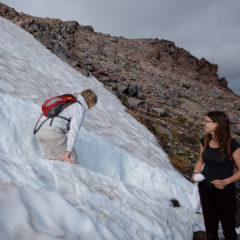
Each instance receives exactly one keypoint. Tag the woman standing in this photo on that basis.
(217, 191)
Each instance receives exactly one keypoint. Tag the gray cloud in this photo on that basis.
(206, 28)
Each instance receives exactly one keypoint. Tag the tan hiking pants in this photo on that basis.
(53, 142)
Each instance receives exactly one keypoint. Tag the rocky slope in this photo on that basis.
(162, 86)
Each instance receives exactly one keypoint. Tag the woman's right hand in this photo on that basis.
(197, 177)
(66, 158)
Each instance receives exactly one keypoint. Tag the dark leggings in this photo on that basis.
(218, 205)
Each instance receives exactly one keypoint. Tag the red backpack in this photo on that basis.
(53, 106)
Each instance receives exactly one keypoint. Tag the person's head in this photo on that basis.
(90, 97)
(217, 126)
(217, 123)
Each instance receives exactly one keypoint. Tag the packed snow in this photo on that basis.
(124, 182)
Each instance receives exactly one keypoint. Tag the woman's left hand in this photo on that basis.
(220, 184)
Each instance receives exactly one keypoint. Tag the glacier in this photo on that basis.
(124, 182)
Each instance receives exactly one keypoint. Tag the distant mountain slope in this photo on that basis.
(163, 86)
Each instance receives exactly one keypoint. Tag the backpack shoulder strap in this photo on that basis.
(205, 142)
(36, 129)
(79, 102)
(229, 151)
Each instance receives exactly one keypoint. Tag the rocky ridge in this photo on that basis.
(163, 86)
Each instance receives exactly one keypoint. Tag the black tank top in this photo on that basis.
(217, 167)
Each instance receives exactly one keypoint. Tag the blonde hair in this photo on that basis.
(90, 97)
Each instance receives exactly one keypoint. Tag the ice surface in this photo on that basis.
(124, 182)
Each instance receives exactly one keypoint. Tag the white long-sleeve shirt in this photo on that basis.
(76, 113)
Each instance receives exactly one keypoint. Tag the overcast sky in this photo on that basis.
(205, 28)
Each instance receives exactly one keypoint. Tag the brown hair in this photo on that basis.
(90, 97)
(222, 132)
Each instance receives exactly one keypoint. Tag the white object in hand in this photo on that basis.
(198, 177)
